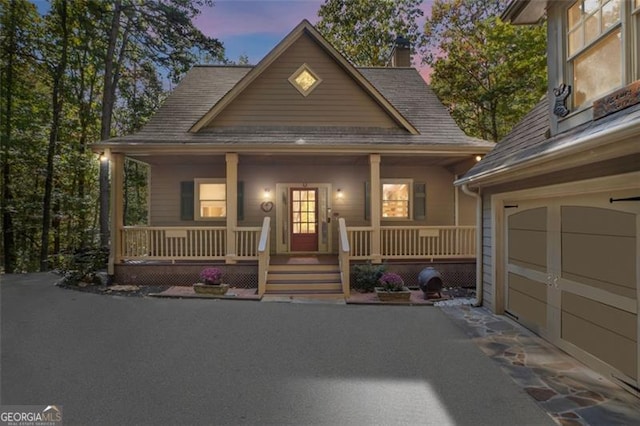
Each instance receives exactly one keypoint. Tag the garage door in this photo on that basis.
(572, 275)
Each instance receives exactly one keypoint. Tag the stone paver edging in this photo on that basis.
(570, 392)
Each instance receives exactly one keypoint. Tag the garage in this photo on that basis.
(571, 274)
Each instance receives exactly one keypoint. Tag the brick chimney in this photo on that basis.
(401, 53)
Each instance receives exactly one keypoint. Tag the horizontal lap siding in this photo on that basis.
(271, 100)
(165, 190)
(487, 276)
(166, 178)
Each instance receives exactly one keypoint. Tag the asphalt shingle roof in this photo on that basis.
(204, 86)
(530, 139)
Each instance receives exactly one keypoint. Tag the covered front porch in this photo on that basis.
(351, 214)
(249, 248)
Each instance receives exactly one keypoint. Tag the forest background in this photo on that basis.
(87, 70)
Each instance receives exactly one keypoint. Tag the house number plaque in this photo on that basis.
(616, 101)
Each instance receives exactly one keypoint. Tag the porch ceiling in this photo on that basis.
(284, 159)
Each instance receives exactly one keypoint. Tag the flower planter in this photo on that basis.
(393, 296)
(218, 290)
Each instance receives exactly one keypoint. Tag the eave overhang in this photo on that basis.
(145, 148)
(523, 12)
(612, 143)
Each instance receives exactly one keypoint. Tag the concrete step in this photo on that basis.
(308, 287)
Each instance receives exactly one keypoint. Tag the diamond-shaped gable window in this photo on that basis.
(305, 80)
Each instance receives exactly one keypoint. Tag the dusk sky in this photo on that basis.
(254, 27)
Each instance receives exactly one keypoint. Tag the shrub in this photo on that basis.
(366, 276)
(83, 264)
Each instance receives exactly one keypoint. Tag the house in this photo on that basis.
(302, 154)
(560, 195)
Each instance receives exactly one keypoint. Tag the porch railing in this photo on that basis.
(185, 243)
(206, 243)
(263, 255)
(343, 257)
(412, 242)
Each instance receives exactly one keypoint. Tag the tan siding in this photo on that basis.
(604, 331)
(165, 192)
(467, 209)
(272, 100)
(440, 191)
(166, 178)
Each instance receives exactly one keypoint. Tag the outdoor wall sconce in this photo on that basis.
(103, 157)
(266, 194)
(478, 158)
(339, 193)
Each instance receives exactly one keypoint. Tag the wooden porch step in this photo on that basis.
(308, 280)
(304, 268)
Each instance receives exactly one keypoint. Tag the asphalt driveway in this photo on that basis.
(127, 360)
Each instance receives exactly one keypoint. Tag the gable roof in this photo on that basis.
(303, 28)
(401, 92)
(529, 142)
(203, 86)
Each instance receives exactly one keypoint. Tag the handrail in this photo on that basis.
(263, 255)
(343, 258)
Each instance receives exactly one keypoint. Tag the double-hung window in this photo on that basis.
(595, 48)
(396, 198)
(600, 43)
(210, 198)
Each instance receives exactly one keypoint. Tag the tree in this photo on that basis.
(19, 92)
(58, 68)
(160, 31)
(488, 73)
(364, 30)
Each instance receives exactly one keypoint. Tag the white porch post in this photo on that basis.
(232, 205)
(116, 166)
(376, 207)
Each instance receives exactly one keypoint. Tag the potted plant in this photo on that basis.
(391, 288)
(211, 282)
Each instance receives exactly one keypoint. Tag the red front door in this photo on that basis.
(304, 219)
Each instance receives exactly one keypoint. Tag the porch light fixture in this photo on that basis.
(339, 193)
(478, 158)
(103, 157)
(266, 194)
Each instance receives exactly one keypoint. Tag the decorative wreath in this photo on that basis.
(266, 206)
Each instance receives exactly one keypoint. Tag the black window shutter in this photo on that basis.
(367, 200)
(240, 200)
(186, 200)
(419, 201)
